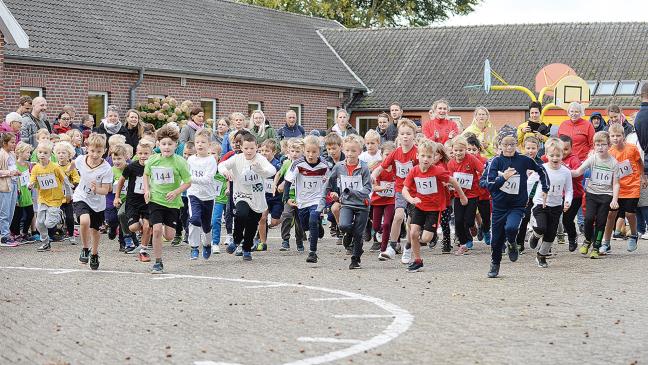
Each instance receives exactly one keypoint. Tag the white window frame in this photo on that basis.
(298, 112)
(257, 103)
(213, 102)
(593, 85)
(627, 82)
(105, 95)
(357, 120)
(32, 89)
(605, 83)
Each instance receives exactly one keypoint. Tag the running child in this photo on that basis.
(572, 162)
(247, 171)
(372, 157)
(119, 155)
(601, 193)
(273, 199)
(8, 185)
(222, 196)
(424, 188)
(484, 199)
(24, 212)
(382, 203)
(166, 176)
(531, 147)
(89, 198)
(334, 155)
(506, 179)
(64, 154)
(289, 216)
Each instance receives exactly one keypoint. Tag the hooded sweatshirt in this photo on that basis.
(602, 126)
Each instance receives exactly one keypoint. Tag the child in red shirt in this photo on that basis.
(382, 202)
(483, 217)
(424, 188)
(466, 169)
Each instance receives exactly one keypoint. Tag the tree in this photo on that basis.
(374, 13)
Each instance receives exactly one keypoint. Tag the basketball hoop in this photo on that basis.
(487, 76)
(571, 89)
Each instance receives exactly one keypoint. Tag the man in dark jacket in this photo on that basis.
(641, 123)
(34, 121)
(598, 122)
(291, 129)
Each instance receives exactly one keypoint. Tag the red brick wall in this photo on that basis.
(2, 75)
(71, 86)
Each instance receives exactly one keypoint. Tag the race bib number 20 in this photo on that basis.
(512, 185)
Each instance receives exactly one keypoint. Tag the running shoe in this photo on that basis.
(44, 247)
(231, 248)
(447, 247)
(112, 233)
(585, 247)
(215, 249)
(176, 240)
(644, 236)
(229, 240)
(494, 270)
(388, 254)
(594, 254)
(94, 262)
(462, 250)
(158, 268)
(632, 243)
(312, 257)
(206, 252)
(261, 247)
(415, 266)
(541, 260)
(285, 246)
(131, 249)
(487, 238)
(85, 255)
(375, 247)
(573, 245)
(513, 252)
(480, 234)
(605, 249)
(469, 245)
(144, 256)
(72, 240)
(433, 242)
(533, 241)
(300, 247)
(255, 243)
(6, 242)
(618, 236)
(239, 251)
(355, 263)
(195, 253)
(247, 255)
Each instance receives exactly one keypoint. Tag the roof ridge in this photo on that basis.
(441, 26)
(278, 11)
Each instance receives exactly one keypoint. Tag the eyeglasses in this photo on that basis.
(508, 145)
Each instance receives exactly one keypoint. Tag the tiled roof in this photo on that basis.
(415, 66)
(218, 38)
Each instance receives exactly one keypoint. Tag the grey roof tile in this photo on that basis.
(415, 66)
(209, 37)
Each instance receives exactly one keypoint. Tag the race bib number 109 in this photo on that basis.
(47, 181)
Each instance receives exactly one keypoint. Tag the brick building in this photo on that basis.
(228, 57)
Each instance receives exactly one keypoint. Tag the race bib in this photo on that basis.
(625, 169)
(601, 177)
(350, 182)
(24, 178)
(139, 185)
(388, 189)
(403, 168)
(219, 187)
(47, 181)
(162, 175)
(512, 185)
(312, 183)
(556, 189)
(123, 191)
(267, 185)
(250, 178)
(426, 185)
(465, 180)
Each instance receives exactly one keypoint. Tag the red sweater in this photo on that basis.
(582, 135)
(438, 130)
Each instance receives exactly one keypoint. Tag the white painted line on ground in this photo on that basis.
(63, 271)
(166, 277)
(265, 286)
(363, 316)
(400, 324)
(328, 340)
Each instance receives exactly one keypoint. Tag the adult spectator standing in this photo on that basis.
(111, 125)
(342, 126)
(383, 128)
(598, 122)
(533, 127)
(615, 115)
(260, 127)
(641, 123)
(222, 127)
(439, 128)
(24, 105)
(63, 126)
(134, 128)
(482, 128)
(195, 124)
(34, 121)
(291, 129)
(396, 114)
(580, 131)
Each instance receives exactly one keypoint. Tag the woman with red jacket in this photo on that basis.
(439, 128)
(579, 130)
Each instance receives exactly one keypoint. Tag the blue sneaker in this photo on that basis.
(231, 247)
(207, 251)
(285, 246)
(487, 238)
(469, 245)
(300, 247)
(247, 256)
(255, 244)
(632, 243)
(128, 241)
(157, 268)
(194, 253)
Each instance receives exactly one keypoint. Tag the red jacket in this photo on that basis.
(582, 135)
(438, 130)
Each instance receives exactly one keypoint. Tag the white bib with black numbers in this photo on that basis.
(403, 168)
(350, 182)
(388, 189)
(24, 178)
(465, 180)
(250, 178)
(47, 181)
(426, 185)
(512, 185)
(218, 187)
(267, 185)
(601, 177)
(139, 185)
(625, 169)
(162, 175)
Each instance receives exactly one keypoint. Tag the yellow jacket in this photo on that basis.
(486, 137)
(521, 135)
(49, 181)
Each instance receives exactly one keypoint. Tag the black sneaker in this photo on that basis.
(85, 255)
(355, 263)
(312, 257)
(44, 247)
(112, 233)
(321, 230)
(541, 260)
(533, 241)
(513, 252)
(415, 266)
(480, 234)
(573, 246)
(375, 247)
(94, 262)
(447, 247)
(347, 241)
(494, 270)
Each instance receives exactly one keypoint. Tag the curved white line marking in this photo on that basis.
(328, 340)
(401, 323)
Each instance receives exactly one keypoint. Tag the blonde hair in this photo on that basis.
(331, 139)
(312, 140)
(96, 140)
(204, 133)
(64, 146)
(73, 132)
(64, 137)
(122, 150)
(616, 128)
(116, 139)
(602, 136)
(440, 101)
(43, 132)
(372, 135)
(387, 146)
(47, 145)
(251, 124)
(144, 143)
(531, 139)
(554, 144)
(404, 122)
(354, 138)
(459, 141)
(427, 146)
(298, 143)
(23, 147)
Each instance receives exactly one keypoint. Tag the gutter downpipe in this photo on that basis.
(133, 89)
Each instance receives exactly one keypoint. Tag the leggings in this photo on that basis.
(568, 219)
(384, 214)
(22, 219)
(464, 219)
(445, 225)
(484, 207)
(598, 206)
(246, 222)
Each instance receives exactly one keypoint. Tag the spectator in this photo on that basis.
(439, 128)
(482, 128)
(134, 128)
(342, 126)
(237, 122)
(641, 123)
(383, 127)
(222, 127)
(260, 127)
(195, 124)
(24, 105)
(13, 123)
(111, 125)
(615, 115)
(580, 131)
(396, 114)
(64, 119)
(87, 125)
(533, 128)
(291, 129)
(34, 121)
(598, 122)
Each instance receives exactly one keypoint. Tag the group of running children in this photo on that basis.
(418, 184)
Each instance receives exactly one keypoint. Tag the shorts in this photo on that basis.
(165, 215)
(275, 208)
(400, 202)
(626, 205)
(96, 218)
(136, 211)
(428, 220)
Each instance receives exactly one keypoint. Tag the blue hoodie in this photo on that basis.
(602, 125)
(493, 180)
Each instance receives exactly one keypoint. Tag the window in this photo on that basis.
(252, 106)
(363, 124)
(627, 87)
(152, 98)
(32, 92)
(592, 86)
(298, 110)
(641, 84)
(606, 88)
(331, 115)
(209, 106)
(97, 105)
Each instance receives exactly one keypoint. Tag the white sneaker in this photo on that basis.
(215, 249)
(72, 240)
(407, 256)
(644, 236)
(388, 254)
(229, 239)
